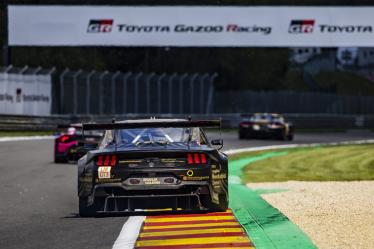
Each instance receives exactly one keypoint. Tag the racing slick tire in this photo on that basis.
(60, 159)
(242, 135)
(283, 136)
(89, 211)
(290, 137)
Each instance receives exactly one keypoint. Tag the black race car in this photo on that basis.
(265, 125)
(68, 144)
(153, 164)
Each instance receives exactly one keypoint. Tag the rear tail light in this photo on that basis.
(275, 125)
(196, 158)
(107, 160)
(100, 161)
(245, 124)
(64, 138)
(203, 158)
(189, 159)
(113, 161)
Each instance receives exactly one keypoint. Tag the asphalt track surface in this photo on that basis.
(38, 202)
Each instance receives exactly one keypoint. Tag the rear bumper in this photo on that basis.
(134, 203)
(119, 198)
(70, 153)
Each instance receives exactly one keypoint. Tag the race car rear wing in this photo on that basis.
(65, 126)
(152, 124)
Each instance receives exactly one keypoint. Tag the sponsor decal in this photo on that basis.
(216, 184)
(324, 28)
(100, 26)
(105, 180)
(85, 179)
(172, 160)
(234, 28)
(307, 26)
(215, 198)
(104, 172)
(219, 176)
(35, 98)
(298, 26)
(183, 28)
(151, 181)
(6, 97)
(190, 173)
(19, 97)
(142, 28)
(198, 28)
(195, 178)
(301, 26)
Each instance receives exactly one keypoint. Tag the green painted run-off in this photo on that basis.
(266, 226)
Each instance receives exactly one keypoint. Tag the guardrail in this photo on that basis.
(31, 123)
(301, 121)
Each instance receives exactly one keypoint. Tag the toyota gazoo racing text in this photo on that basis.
(153, 164)
(265, 125)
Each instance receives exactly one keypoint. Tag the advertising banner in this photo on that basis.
(191, 26)
(25, 94)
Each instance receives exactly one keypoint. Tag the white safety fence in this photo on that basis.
(25, 92)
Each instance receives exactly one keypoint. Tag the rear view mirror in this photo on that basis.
(217, 142)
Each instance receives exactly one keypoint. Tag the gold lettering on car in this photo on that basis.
(151, 181)
(195, 178)
(219, 176)
(108, 180)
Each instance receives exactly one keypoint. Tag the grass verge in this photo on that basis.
(25, 133)
(332, 163)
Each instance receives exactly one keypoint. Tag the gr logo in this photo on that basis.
(100, 26)
(301, 26)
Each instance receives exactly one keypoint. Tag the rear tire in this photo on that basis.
(88, 211)
(60, 159)
(283, 136)
(290, 137)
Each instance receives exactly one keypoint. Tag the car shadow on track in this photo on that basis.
(137, 213)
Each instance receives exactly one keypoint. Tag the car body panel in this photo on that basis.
(68, 144)
(265, 125)
(154, 176)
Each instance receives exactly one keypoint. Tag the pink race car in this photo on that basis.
(69, 145)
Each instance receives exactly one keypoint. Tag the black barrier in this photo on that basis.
(84, 93)
(105, 93)
(301, 121)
